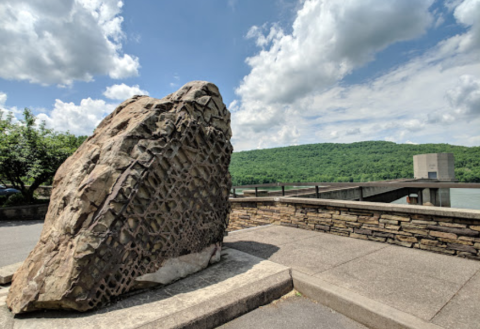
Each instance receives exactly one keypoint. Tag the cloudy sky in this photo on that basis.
(290, 71)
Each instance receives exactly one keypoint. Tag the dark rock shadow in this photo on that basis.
(227, 267)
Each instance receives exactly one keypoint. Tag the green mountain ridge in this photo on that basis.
(355, 162)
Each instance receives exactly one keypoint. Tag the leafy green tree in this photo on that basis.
(358, 162)
(30, 153)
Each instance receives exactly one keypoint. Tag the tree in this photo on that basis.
(30, 154)
(362, 161)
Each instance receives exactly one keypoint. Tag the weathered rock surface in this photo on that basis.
(151, 185)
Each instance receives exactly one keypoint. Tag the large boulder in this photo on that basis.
(145, 199)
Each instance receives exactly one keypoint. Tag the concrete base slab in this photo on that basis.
(237, 284)
(357, 307)
(4, 291)
(6, 272)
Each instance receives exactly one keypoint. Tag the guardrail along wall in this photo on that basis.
(444, 230)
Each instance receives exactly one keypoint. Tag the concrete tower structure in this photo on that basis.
(435, 166)
(439, 166)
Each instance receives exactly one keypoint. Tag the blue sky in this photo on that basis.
(291, 72)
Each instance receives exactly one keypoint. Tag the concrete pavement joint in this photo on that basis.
(454, 295)
(423, 274)
(350, 260)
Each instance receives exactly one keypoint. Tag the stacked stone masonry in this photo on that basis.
(33, 212)
(449, 235)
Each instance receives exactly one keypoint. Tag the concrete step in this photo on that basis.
(6, 272)
(366, 311)
(293, 311)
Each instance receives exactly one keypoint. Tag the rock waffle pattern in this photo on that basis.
(151, 184)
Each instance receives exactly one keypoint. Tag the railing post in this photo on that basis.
(234, 195)
(317, 194)
(256, 192)
(283, 190)
(361, 193)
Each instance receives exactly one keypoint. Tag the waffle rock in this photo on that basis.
(143, 201)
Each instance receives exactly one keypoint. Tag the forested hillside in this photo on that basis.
(356, 162)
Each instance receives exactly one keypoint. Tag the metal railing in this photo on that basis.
(413, 184)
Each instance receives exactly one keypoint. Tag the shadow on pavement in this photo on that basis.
(254, 248)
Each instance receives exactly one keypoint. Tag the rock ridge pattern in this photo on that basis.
(149, 186)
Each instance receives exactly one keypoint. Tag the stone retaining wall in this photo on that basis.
(34, 212)
(444, 230)
(44, 191)
(41, 191)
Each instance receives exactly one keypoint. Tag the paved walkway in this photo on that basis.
(17, 239)
(293, 311)
(439, 289)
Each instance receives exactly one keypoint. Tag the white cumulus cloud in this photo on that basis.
(60, 41)
(465, 97)
(296, 83)
(468, 13)
(423, 101)
(3, 108)
(329, 39)
(3, 99)
(79, 119)
(123, 92)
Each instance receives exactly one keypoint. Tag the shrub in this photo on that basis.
(15, 200)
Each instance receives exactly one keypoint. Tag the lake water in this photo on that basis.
(239, 191)
(468, 198)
